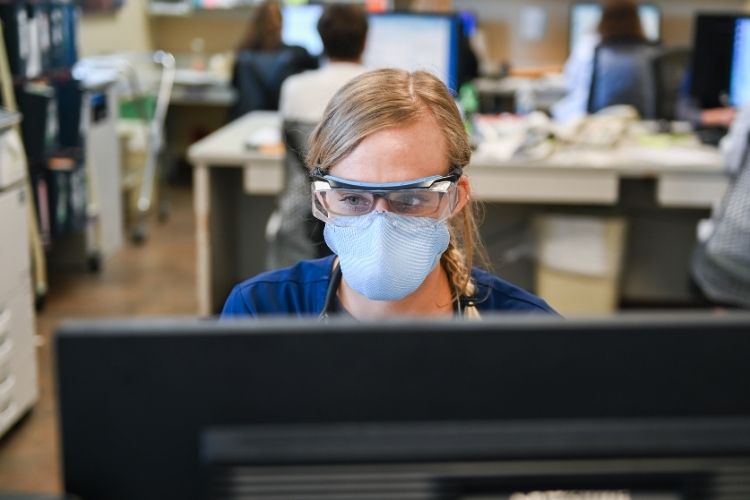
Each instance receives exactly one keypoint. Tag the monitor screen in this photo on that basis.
(739, 84)
(300, 27)
(415, 42)
(717, 65)
(189, 409)
(584, 18)
(469, 22)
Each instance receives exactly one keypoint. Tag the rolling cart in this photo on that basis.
(146, 82)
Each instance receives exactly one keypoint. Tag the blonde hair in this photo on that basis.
(387, 98)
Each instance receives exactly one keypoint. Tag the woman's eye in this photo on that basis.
(353, 202)
(409, 201)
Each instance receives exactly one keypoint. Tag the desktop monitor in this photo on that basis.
(415, 41)
(421, 409)
(739, 80)
(584, 18)
(300, 27)
(469, 22)
(719, 60)
(403, 40)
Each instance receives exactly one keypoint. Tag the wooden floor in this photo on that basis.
(157, 278)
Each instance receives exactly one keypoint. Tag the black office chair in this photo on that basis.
(623, 73)
(296, 135)
(258, 75)
(670, 67)
(294, 234)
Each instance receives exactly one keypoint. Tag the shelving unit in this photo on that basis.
(68, 134)
(190, 8)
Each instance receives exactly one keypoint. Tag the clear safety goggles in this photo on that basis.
(336, 200)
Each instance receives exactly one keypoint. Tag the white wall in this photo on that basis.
(126, 30)
(132, 29)
(499, 20)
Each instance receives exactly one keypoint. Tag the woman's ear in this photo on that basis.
(463, 189)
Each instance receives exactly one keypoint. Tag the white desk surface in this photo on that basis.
(211, 95)
(226, 147)
(688, 175)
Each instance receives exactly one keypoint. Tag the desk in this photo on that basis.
(505, 94)
(590, 180)
(194, 111)
(220, 95)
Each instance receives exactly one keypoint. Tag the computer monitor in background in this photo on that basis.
(584, 18)
(300, 27)
(469, 22)
(415, 41)
(715, 44)
(739, 81)
(426, 410)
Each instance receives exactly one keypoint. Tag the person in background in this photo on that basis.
(343, 31)
(292, 232)
(711, 123)
(619, 21)
(264, 61)
(387, 166)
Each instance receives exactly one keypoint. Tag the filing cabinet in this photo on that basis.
(18, 363)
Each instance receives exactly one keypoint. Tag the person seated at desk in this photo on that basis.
(343, 31)
(711, 123)
(387, 167)
(619, 21)
(263, 62)
(292, 232)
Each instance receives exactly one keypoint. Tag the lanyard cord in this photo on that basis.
(333, 287)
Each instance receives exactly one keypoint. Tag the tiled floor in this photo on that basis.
(157, 278)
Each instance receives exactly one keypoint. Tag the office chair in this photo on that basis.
(293, 233)
(670, 68)
(258, 76)
(623, 73)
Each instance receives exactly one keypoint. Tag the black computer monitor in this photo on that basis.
(585, 16)
(719, 59)
(425, 410)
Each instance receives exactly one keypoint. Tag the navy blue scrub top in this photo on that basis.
(300, 290)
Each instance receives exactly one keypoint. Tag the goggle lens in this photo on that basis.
(436, 200)
(417, 203)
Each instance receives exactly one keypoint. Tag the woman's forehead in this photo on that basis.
(400, 153)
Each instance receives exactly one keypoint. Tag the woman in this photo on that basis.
(263, 62)
(387, 164)
(264, 28)
(619, 21)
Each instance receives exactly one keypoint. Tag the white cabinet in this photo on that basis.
(18, 364)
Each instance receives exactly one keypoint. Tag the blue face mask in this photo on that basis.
(385, 256)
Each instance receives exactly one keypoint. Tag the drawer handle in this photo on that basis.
(5, 347)
(7, 410)
(7, 385)
(4, 324)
